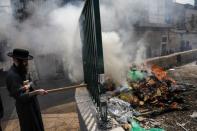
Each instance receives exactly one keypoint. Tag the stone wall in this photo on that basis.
(176, 59)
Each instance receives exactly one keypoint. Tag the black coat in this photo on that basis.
(27, 107)
(1, 108)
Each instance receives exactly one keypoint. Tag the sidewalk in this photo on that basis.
(57, 121)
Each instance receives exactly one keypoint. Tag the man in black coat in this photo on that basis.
(1, 112)
(19, 87)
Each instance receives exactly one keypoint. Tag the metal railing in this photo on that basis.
(92, 52)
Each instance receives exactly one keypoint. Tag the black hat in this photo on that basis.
(20, 54)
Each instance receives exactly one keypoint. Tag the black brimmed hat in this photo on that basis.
(20, 54)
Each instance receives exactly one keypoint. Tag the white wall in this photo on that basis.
(5, 6)
(4, 2)
(158, 10)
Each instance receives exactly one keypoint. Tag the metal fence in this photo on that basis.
(92, 51)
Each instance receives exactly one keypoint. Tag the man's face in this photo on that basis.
(22, 65)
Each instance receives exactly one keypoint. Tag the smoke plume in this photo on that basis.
(121, 48)
(50, 30)
(54, 30)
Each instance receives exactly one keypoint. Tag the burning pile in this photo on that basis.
(154, 89)
(148, 93)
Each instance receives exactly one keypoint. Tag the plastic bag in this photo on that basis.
(137, 127)
(135, 75)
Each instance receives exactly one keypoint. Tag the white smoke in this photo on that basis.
(51, 30)
(141, 52)
(120, 15)
(5, 22)
(115, 59)
(121, 48)
(54, 29)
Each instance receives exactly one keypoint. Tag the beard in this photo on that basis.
(23, 70)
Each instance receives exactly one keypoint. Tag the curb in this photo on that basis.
(88, 112)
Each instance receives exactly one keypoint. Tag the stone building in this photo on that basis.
(169, 27)
(156, 25)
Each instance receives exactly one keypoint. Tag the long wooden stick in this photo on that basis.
(65, 88)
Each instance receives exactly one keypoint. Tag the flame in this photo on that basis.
(161, 74)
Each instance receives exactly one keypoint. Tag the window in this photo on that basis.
(164, 39)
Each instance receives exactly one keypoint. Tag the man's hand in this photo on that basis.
(38, 92)
(26, 87)
(41, 92)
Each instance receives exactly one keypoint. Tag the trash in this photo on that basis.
(108, 85)
(126, 126)
(116, 91)
(140, 118)
(172, 69)
(124, 89)
(124, 118)
(136, 113)
(121, 89)
(182, 125)
(159, 111)
(177, 88)
(194, 115)
(155, 90)
(144, 110)
(135, 75)
(118, 107)
(147, 94)
(137, 127)
(130, 98)
(153, 123)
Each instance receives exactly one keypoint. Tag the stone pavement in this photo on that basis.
(58, 118)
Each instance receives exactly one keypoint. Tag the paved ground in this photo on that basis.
(52, 122)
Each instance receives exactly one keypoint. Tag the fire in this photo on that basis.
(161, 74)
(152, 89)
